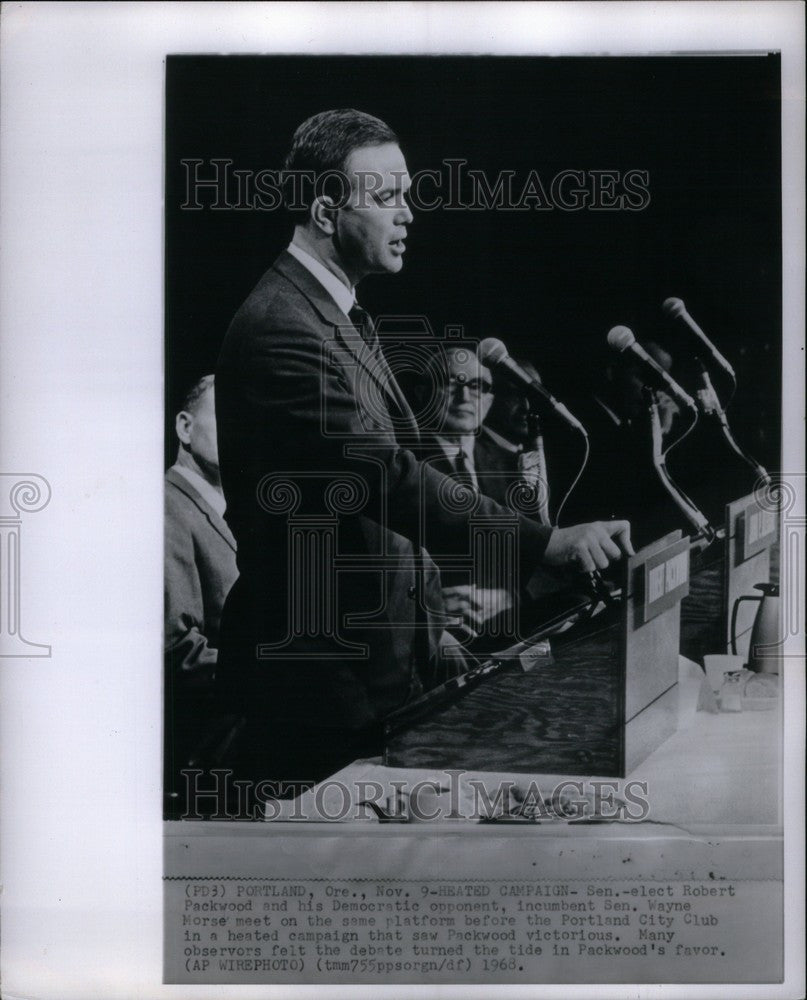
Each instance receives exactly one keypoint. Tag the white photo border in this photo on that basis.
(81, 305)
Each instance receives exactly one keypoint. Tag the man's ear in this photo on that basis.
(323, 215)
(183, 424)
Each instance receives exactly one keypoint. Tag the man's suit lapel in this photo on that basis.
(305, 283)
(495, 467)
(374, 363)
(431, 452)
(217, 523)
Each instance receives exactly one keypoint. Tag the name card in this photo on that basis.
(757, 529)
(665, 580)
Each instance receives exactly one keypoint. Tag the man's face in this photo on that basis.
(371, 229)
(668, 409)
(511, 414)
(467, 395)
(197, 432)
(513, 408)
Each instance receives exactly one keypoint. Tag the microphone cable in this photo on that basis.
(681, 437)
(575, 481)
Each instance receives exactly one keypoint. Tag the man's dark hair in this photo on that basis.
(195, 393)
(321, 146)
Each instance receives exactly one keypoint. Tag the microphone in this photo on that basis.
(621, 339)
(676, 309)
(493, 354)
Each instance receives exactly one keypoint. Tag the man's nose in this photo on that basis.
(404, 216)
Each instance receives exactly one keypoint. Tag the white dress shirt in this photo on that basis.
(343, 296)
(452, 448)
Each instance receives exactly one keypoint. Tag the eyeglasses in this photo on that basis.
(475, 386)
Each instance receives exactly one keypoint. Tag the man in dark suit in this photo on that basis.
(325, 632)
(510, 445)
(200, 568)
(485, 436)
(461, 388)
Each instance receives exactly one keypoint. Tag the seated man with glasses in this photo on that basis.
(462, 388)
(484, 435)
(457, 391)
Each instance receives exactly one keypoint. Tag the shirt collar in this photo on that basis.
(502, 442)
(208, 492)
(343, 296)
(451, 448)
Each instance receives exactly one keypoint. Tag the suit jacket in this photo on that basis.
(431, 453)
(497, 469)
(302, 405)
(200, 569)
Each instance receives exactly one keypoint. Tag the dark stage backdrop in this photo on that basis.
(549, 283)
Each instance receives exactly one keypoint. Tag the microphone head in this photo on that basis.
(620, 338)
(673, 307)
(492, 351)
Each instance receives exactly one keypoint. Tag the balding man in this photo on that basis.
(200, 569)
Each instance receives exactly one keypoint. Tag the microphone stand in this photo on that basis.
(695, 516)
(709, 405)
(594, 583)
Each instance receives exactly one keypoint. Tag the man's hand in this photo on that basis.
(454, 659)
(475, 605)
(589, 546)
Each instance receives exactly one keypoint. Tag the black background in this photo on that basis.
(550, 284)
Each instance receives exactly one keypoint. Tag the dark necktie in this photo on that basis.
(463, 470)
(361, 319)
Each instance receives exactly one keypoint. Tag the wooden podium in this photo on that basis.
(656, 580)
(600, 705)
